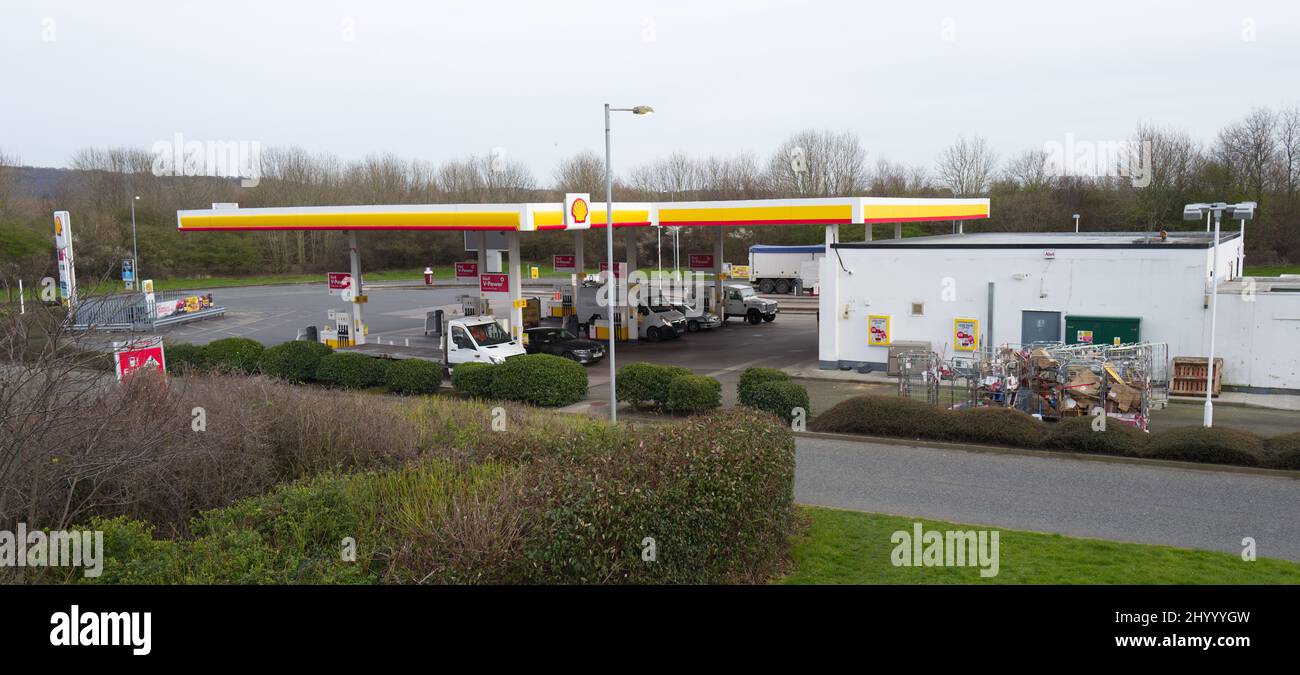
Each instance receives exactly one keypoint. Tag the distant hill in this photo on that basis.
(40, 182)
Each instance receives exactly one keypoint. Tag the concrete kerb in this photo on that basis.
(1053, 454)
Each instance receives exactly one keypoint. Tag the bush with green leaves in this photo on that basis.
(1078, 434)
(749, 381)
(413, 376)
(646, 383)
(693, 394)
(1216, 445)
(295, 361)
(885, 416)
(351, 370)
(234, 355)
(183, 358)
(540, 379)
(1284, 451)
(782, 398)
(474, 379)
(1003, 426)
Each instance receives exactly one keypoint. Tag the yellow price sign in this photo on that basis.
(521, 303)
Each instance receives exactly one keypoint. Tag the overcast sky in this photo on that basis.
(441, 80)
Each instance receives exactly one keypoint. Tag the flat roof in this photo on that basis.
(1002, 240)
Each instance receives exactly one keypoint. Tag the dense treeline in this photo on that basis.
(1256, 158)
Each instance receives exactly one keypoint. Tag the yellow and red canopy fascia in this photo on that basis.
(550, 216)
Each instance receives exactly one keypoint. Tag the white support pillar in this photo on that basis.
(482, 269)
(719, 302)
(516, 291)
(898, 231)
(580, 266)
(633, 319)
(359, 297)
(828, 304)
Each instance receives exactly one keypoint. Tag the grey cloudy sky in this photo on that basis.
(440, 80)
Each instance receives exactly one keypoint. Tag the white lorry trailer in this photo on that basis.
(779, 269)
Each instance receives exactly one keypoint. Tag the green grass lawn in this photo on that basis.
(1271, 270)
(849, 547)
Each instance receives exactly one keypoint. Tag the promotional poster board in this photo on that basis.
(878, 330)
(965, 334)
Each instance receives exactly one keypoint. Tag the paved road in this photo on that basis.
(1160, 505)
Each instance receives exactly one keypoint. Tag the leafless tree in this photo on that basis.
(816, 163)
(967, 166)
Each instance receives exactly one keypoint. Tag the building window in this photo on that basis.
(918, 309)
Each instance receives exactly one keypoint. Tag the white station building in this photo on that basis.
(964, 293)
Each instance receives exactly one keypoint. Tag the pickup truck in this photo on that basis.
(560, 342)
(741, 300)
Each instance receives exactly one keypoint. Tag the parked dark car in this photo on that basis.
(561, 342)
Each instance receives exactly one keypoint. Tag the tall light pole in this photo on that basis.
(1243, 212)
(612, 268)
(135, 249)
(1076, 223)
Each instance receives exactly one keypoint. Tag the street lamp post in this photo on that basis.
(612, 268)
(1243, 211)
(135, 249)
(1076, 223)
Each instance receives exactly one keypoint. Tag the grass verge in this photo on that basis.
(849, 547)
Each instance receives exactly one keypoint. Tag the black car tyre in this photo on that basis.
(693, 327)
(753, 317)
(652, 334)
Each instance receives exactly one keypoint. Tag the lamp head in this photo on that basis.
(642, 110)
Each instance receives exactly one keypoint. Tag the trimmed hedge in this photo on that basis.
(1216, 445)
(474, 379)
(1284, 451)
(294, 361)
(1003, 426)
(717, 512)
(1077, 435)
(885, 416)
(694, 394)
(540, 379)
(641, 383)
(413, 376)
(234, 354)
(779, 397)
(183, 357)
(351, 370)
(747, 385)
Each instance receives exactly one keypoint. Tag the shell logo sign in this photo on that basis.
(58, 226)
(577, 211)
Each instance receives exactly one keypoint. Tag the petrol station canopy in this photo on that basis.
(539, 216)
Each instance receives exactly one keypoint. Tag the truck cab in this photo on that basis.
(478, 339)
(654, 322)
(741, 300)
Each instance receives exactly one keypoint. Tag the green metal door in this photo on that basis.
(1107, 330)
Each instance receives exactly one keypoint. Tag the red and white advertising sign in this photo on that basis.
(700, 261)
(494, 283)
(619, 272)
(565, 263)
(339, 282)
(466, 270)
(141, 355)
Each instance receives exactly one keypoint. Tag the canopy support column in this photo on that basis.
(358, 297)
(482, 269)
(516, 292)
(828, 305)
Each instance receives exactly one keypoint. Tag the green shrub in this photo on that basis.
(779, 397)
(474, 379)
(234, 354)
(1004, 426)
(413, 376)
(641, 383)
(1217, 445)
(885, 416)
(183, 358)
(1077, 435)
(351, 370)
(294, 361)
(746, 387)
(540, 379)
(1284, 451)
(718, 512)
(694, 394)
